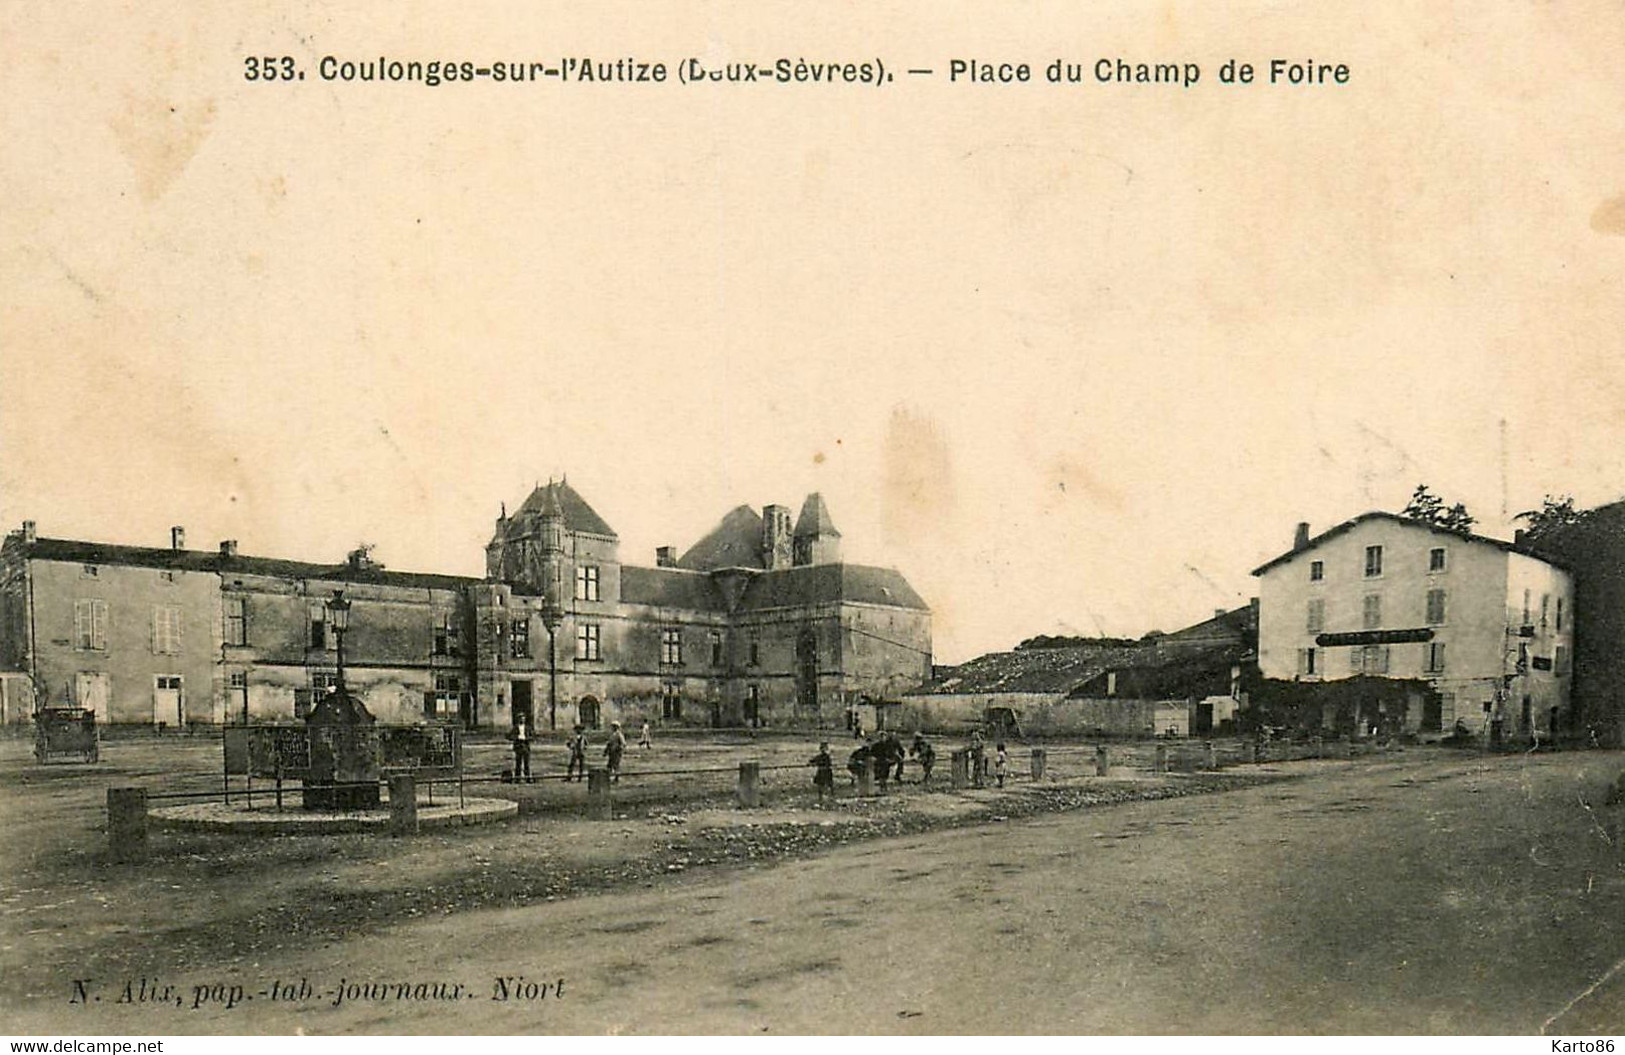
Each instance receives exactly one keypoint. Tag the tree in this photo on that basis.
(1555, 513)
(1429, 508)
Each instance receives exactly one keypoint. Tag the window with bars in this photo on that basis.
(587, 641)
(90, 625)
(236, 620)
(166, 630)
(587, 582)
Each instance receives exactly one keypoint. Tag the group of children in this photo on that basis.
(886, 754)
(614, 751)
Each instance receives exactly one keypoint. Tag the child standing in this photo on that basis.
(643, 739)
(823, 773)
(1001, 763)
(577, 769)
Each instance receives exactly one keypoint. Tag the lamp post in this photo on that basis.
(338, 610)
(552, 617)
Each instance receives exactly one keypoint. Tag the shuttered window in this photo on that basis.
(90, 624)
(166, 630)
(1435, 607)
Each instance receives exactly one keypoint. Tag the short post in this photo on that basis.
(1159, 760)
(1249, 751)
(127, 824)
(1347, 746)
(1040, 760)
(599, 807)
(1210, 755)
(960, 760)
(1318, 748)
(866, 778)
(403, 804)
(1102, 760)
(750, 781)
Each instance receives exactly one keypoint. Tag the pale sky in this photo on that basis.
(1074, 359)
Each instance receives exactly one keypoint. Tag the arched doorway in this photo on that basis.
(587, 712)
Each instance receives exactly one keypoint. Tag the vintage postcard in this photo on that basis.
(812, 518)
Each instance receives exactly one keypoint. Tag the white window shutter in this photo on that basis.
(98, 624)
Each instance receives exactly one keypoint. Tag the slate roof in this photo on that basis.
(734, 543)
(1347, 525)
(670, 588)
(81, 552)
(814, 518)
(579, 517)
(823, 583)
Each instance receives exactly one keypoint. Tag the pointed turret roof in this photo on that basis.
(814, 518)
(560, 498)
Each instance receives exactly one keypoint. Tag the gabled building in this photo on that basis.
(759, 623)
(1450, 627)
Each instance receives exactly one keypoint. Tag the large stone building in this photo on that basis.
(759, 623)
(1448, 627)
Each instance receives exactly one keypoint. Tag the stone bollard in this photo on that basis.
(1040, 760)
(1102, 761)
(960, 760)
(866, 779)
(1210, 755)
(403, 804)
(599, 807)
(127, 824)
(1159, 761)
(750, 785)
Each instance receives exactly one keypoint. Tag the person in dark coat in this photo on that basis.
(577, 769)
(880, 751)
(823, 773)
(855, 761)
(898, 755)
(925, 754)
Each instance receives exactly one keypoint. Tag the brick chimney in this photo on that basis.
(30, 532)
(177, 537)
(228, 547)
(1520, 538)
(666, 556)
(1300, 537)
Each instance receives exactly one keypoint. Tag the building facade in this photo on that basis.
(1484, 631)
(760, 623)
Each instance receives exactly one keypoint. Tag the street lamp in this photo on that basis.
(338, 610)
(552, 616)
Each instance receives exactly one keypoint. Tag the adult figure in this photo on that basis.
(614, 749)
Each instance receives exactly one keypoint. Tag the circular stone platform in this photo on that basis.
(265, 820)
